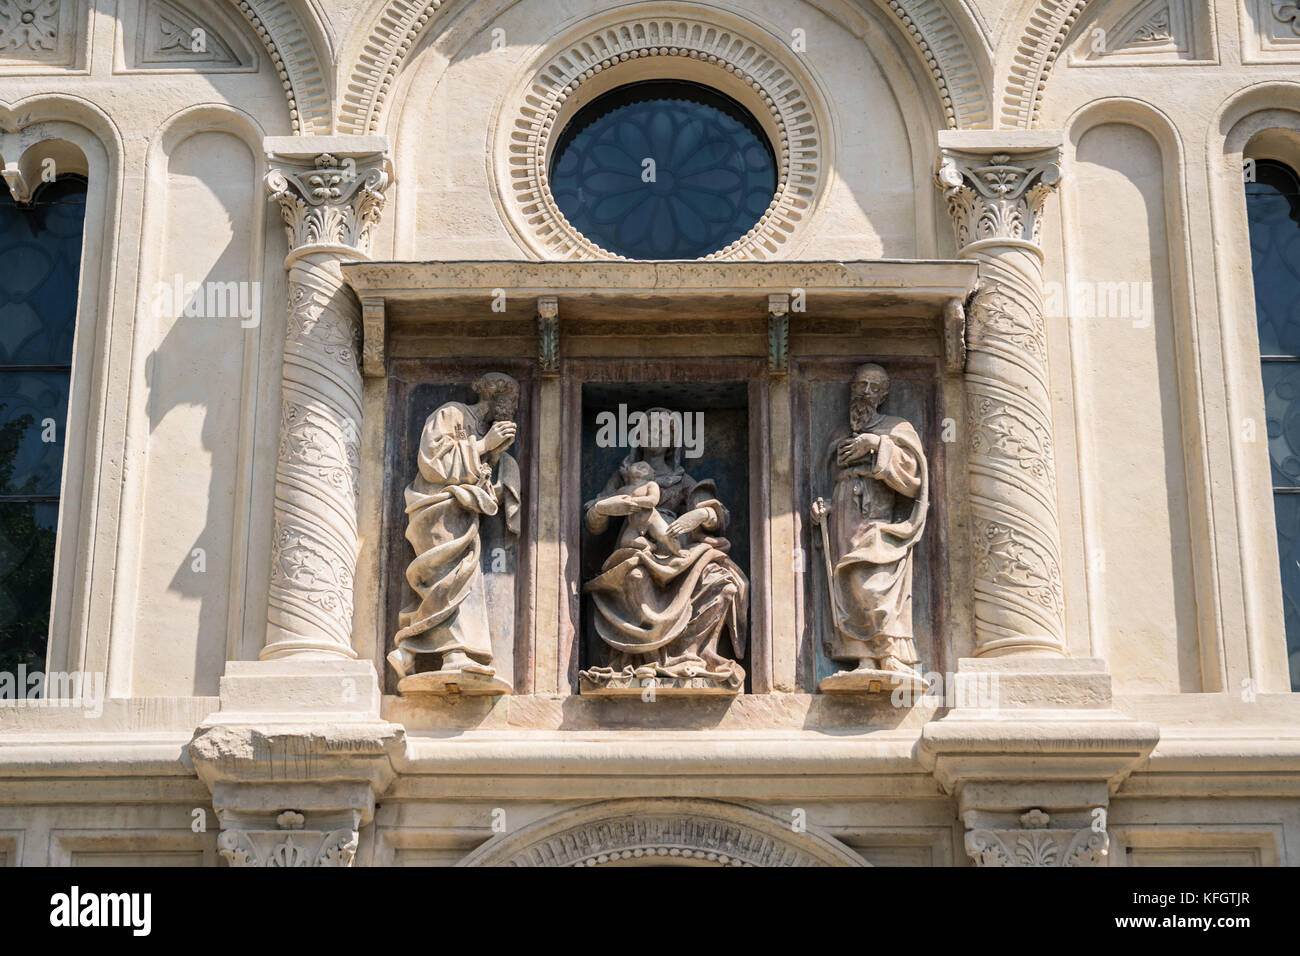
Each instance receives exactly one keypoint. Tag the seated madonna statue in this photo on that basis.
(669, 592)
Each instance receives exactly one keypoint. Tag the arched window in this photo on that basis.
(1273, 208)
(40, 260)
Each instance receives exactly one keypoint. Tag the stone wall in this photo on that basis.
(1115, 571)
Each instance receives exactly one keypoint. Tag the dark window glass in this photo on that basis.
(40, 259)
(1273, 208)
(663, 170)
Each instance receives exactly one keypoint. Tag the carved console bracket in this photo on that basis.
(18, 184)
(954, 336)
(294, 760)
(1032, 736)
(548, 335)
(372, 337)
(248, 840)
(1034, 844)
(778, 333)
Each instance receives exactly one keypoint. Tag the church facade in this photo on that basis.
(525, 432)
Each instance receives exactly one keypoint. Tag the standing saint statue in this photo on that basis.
(464, 473)
(668, 593)
(869, 532)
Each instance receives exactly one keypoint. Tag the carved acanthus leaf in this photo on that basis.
(1037, 847)
(174, 36)
(996, 196)
(1155, 29)
(288, 847)
(334, 202)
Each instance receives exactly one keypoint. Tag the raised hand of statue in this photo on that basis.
(499, 436)
(689, 521)
(820, 509)
(852, 449)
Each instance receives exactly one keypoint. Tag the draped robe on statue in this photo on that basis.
(454, 487)
(877, 515)
(653, 607)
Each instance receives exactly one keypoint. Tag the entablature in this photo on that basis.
(623, 297)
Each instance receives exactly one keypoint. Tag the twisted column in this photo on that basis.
(330, 202)
(995, 197)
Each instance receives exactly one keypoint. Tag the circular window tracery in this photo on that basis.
(663, 169)
(690, 52)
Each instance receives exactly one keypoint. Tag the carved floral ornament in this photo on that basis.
(290, 846)
(998, 195)
(334, 201)
(1287, 14)
(772, 91)
(1037, 845)
(28, 26)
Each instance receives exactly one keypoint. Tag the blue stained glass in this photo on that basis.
(40, 259)
(1273, 211)
(663, 170)
(33, 410)
(1287, 509)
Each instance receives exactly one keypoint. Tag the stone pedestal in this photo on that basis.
(1032, 751)
(297, 752)
(295, 758)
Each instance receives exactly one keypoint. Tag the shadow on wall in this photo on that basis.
(196, 378)
(1130, 407)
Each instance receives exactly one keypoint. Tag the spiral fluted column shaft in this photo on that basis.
(995, 199)
(329, 203)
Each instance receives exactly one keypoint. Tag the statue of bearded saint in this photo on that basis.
(464, 475)
(869, 532)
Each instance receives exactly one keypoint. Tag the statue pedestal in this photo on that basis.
(622, 686)
(454, 683)
(868, 681)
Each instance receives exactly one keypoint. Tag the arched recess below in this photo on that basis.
(653, 832)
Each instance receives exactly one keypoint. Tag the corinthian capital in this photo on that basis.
(331, 189)
(995, 185)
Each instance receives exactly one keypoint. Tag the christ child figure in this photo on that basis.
(642, 492)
